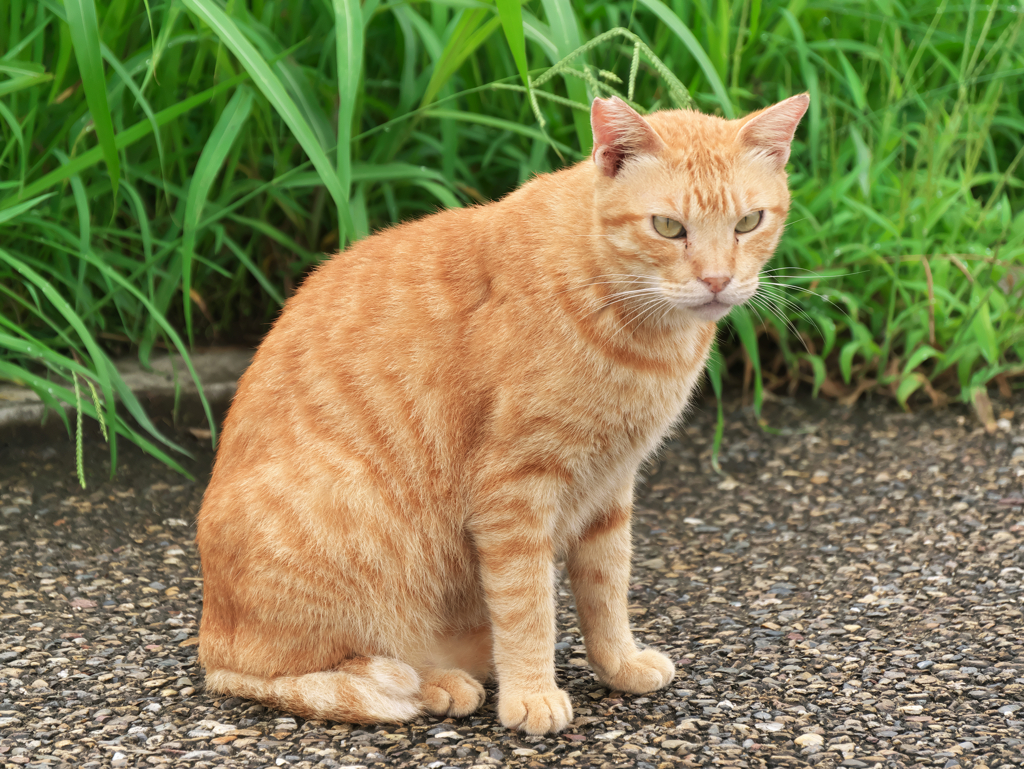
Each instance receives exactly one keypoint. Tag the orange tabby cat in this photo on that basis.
(450, 406)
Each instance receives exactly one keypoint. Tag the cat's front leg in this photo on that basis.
(512, 534)
(599, 564)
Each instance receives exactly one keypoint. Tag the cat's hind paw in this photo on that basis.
(535, 713)
(647, 671)
(451, 692)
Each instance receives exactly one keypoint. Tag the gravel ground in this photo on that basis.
(849, 594)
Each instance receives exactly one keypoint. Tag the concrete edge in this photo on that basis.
(23, 413)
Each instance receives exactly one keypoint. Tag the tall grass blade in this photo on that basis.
(675, 24)
(565, 33)
(126, 138)
(22, 82)
(511, 14)
(470, 33)
(85, 37)
(348, 34)
(15, 211)
(269, 84)
(210, 161)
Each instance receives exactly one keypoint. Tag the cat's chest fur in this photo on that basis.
(589, 412)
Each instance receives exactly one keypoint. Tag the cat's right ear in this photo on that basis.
(769, 132)
(620, 133)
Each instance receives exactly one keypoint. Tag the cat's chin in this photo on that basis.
(711, 311)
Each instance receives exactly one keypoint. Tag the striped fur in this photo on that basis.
(453, 404)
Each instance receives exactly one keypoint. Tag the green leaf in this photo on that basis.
(853, 82)
(846, 359)
(348, 38)
(810, 74)
(16, 84)
(511, 14)
(715, 368)
(270, 86)
(143, 102)
(472, 30)
(124, 139)
(17, 68)
(908, 385)
(985, 334)
(920, 355)
(42, 387)
(85, 38)
(818, 366)
(210, 161)
(257, 273)
(158, 317)
(741, 321)
(675, 24)
(61, 305)
(828, 330)
(15, 211)
(565, 33)
(496, 122)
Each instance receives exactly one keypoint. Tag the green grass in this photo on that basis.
(169, 173)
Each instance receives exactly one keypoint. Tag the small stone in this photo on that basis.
(524, 752)
(807, 740)
(216, 728)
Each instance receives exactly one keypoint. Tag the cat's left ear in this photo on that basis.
(620, 133)
(770, 132)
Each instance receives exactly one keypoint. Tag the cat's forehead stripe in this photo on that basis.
(620, 219)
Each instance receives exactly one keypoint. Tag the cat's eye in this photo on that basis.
(668, 228)
(749, 222)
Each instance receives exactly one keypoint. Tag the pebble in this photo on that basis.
(808, 740)
(872, 618)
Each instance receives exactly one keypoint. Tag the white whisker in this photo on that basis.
(777, 285)
(595, 281)
(640, 321)
(635, 318)
(791, 305)
(772, 309)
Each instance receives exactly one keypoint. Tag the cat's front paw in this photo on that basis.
(646, 671)
(451, 692)
(535, 712)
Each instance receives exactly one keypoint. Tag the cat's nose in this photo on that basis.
(717, 282)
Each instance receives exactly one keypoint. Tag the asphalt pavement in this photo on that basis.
(846, 593)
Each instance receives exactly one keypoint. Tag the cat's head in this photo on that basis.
(692, 205)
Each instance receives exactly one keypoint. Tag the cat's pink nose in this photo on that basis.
(717, 283)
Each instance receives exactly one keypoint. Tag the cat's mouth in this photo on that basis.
(713, 310)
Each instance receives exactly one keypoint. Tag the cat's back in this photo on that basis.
(397, 343)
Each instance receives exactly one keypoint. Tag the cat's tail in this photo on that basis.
(361, 690)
